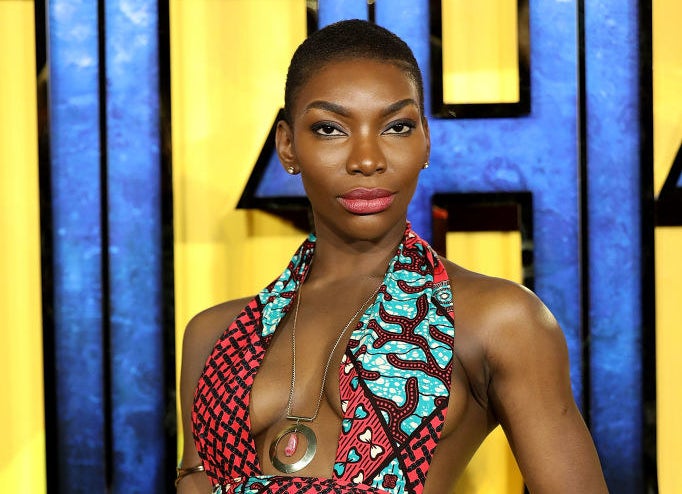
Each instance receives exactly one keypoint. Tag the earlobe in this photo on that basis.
(284, 142)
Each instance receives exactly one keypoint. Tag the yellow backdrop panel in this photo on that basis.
(228, 67)
(667, 139)
(480, 55)
(669, 364)
(667, 59)
(22, 447)
(494, 254)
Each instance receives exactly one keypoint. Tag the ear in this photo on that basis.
(284, 142)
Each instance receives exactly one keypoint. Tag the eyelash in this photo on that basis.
(335, 131)
(327, 125)
(410, 125)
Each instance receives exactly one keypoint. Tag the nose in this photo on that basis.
(366, 156)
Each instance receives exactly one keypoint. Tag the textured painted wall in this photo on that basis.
(107, 276)
(77, 245)
(613, 154)
(134, 246)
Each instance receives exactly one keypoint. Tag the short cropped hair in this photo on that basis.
(346, 40)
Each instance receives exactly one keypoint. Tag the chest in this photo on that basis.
(298, 382)
(375, 399)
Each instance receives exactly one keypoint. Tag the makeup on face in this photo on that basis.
(366, 201)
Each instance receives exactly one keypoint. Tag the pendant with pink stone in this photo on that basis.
(292, 444)
(292, 436)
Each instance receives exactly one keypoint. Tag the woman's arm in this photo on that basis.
(199, 339)
(530, 392)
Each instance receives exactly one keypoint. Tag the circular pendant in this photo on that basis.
(310, 449)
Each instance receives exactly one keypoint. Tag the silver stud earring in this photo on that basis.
(426, 165)
(291, 170)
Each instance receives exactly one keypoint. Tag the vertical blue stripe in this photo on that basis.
(613, 152)
(537, 153)
(409, 19)
(134, 219)
(77, 244)
(330, 11)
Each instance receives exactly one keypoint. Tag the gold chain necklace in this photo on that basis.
(298, 428)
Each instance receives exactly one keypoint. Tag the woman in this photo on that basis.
(344, 374)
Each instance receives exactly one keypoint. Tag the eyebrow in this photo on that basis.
(399, 105)
(327, 106)
(344, 112)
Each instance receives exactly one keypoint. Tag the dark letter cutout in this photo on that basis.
(486, 212)
(669, 202)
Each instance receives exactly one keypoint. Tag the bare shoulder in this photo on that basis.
(515, 355)
(499, 314)
(204, 329)
(504, 333)
(200, 336)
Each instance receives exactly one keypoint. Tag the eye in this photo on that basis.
(327, 129)
(400, 128)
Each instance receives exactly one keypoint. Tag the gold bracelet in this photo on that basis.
(184, 472)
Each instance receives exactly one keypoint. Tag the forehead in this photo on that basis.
(355, 81)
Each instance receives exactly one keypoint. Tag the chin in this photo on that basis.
(371, 227)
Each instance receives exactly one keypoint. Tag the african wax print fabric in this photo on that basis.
(394, 382)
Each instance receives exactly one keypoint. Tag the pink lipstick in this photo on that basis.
(366, 201)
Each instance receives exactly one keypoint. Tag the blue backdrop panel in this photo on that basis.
(77, 240)
(538, 153)
(613, 153)
(134, 216)
(330, 11)
(409, 19)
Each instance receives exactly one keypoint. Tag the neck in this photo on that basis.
(337, 257)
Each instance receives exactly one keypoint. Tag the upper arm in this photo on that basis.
(199, 339)
(530, 393)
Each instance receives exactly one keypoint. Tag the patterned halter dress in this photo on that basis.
(395, 381)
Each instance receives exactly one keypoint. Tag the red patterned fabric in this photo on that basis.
(394, 383)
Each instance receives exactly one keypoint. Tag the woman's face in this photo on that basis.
(359, 141)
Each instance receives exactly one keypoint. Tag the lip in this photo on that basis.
(366, 201)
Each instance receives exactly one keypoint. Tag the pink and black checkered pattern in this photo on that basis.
(221, 407)
(394, 383)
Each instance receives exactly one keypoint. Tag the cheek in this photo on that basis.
(412, 181)
(412, 152)
(317, 182)
(312, 153)
(407, 164)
